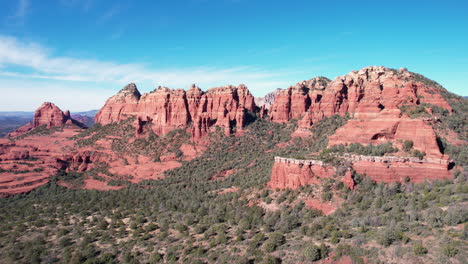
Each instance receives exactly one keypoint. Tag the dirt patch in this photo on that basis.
(326, 207)
(91, 184)
(223, 174)
(228, 190)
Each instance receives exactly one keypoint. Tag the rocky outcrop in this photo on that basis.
(82, 160)
(48, 115)
(294, 102)
(389, 128)
(267, 100)
(292, 173)
(124, 103)
(348, 180)
(401, 171)
(166, 109)
(362, 93)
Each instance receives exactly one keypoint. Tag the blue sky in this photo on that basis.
(77, 53)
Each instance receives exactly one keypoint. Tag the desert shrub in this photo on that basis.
(450, 250)
(419, 249)
(408, 145)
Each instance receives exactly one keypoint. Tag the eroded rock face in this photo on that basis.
(82, 160)
(125, 102)
(294, 102)
(389, 128)
(48, 115)
(167, 109)
(400, 172)
(290, 175)
(362, 93)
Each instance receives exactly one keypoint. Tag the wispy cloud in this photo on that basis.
(29, 61)
(41, 64)
(22, 9)
(110, 13)
(85, 5)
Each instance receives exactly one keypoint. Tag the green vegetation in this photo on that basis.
(408, 145)
(124, 142)
(356, 148)
(40, 131)
(183, 219)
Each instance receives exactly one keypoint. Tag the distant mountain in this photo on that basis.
(268, 99)
(86, 118)
(16, 114)
(90, 113)
(10, 121)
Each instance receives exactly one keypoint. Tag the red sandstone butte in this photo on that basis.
(362, 93)
(48, 115)
(166, 109)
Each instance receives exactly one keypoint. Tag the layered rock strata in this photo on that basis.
(293, 173)
(362, 93)
(48, 115)
(166, 109)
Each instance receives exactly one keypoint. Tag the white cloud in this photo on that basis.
(28, 95)
(38, 64)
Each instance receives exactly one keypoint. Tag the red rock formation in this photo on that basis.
(82, 160)
(166, 109)
(294, 102)
(289, 175)
(124, 103)
(48, 115)
(348, 180)
(400, 171)
(388, 128)
(362, 93)
(292, 173)
(280, 110)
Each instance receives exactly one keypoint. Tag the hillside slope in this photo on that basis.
(368, 168)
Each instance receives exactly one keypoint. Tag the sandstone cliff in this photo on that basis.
(293, 173)
(166, 109)
(294, 102)
(362, 93)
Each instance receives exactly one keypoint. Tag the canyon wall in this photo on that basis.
(364, 93)
(166, 109)
(293, 173)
